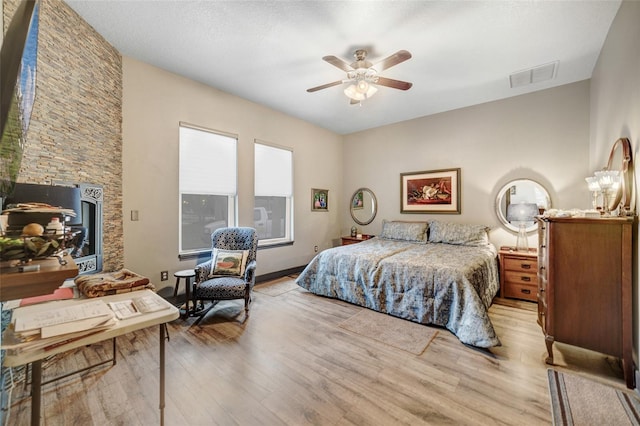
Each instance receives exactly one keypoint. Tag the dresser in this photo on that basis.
(585, 285)
(518, 274)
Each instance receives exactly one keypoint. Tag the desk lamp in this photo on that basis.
(521, 214)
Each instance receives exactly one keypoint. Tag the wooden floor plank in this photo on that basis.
(290, 363)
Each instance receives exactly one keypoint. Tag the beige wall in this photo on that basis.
(542, 136)
(615, 106)
(154, 102)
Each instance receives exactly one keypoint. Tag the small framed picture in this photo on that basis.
(357, 201)
(319, 200)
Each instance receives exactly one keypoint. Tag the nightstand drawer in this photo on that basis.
(521, 291)
(514, 264)
(514, 277)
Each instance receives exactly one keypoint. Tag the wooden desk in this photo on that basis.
(18, 285)
(122, 327)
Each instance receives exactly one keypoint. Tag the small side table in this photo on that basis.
(353, 240)
(187, 274)
(519, 274)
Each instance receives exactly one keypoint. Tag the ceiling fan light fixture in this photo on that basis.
(371, 91)
(362, 77)
(352, 92)
(360, 92)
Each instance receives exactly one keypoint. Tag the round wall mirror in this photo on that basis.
(620, 159)
(363, 206)
(521, 192)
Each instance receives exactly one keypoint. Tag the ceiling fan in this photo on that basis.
(363, 75)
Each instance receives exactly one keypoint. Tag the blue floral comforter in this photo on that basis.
(442, 284)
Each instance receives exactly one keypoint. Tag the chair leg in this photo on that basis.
(175, 288)
(247, 301)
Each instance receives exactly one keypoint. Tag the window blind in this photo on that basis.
(208, 162)
(273, 171)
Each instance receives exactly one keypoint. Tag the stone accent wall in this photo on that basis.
(75, 134)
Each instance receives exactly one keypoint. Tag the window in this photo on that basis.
(273, 190)
(207, 186)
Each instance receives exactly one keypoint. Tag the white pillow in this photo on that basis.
(228, 262)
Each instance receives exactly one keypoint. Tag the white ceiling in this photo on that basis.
(270, 52)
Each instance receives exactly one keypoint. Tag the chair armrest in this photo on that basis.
(249, 271)
(202, 271)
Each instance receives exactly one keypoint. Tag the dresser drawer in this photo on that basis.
(515, 264)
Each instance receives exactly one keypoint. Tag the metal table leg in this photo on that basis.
(36, 389)
(162, 337)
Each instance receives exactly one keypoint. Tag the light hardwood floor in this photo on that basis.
(291, 364)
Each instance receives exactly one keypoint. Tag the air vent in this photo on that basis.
(534, 75)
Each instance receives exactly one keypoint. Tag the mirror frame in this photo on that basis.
(374, 207)
(623, 197)
(498, 203)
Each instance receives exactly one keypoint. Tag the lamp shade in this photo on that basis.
(607, 178)
(593, 184)
(522, 212)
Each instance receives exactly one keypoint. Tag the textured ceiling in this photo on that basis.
(270, 52)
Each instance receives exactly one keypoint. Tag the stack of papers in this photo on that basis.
(132, 307)
(46, 329)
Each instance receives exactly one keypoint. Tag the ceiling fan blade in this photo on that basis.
(337, 62)
(396, 84)
(395, 59)
(324, 86)
(354, 102)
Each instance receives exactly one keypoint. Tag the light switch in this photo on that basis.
(134, 215)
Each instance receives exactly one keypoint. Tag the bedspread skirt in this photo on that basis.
(441, 284)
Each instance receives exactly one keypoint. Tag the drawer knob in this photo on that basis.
(527, 279)
(525, 291)
(525, 266)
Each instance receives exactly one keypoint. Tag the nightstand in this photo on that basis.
(519, 274)
(354, 240)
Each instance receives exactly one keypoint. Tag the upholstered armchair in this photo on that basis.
(230, 273)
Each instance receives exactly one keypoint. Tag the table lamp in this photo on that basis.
(520, 214)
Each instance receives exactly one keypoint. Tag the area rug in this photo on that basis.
(402, 334)
(277, 287)
(576, 400)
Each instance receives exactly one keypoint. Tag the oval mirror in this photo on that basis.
(620, 159)
(521, 191)
(363, 206)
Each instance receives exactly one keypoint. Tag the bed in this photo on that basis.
(438, 273)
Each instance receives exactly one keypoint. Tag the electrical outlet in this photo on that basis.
(164, 275)
(315, 249)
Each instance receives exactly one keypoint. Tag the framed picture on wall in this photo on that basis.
(432, 191)
(357, 201)
(319, 200)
